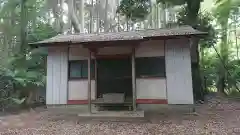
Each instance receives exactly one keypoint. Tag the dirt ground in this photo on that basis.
(219, 118)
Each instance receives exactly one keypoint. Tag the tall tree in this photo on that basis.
(24, 23)
(134, 10)
(222, 12)
(82, 15)
(106, 25)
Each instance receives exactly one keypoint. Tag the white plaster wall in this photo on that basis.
(150, 49)
(178, 72)
(78, 89)
(145, 49)
(147, 88)
(57, 75)
(78, 53)
(115, 50)
(151, 88)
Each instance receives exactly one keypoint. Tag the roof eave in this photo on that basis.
(91, 43)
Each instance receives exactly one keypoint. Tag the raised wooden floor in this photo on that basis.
(101, 103)
(120, 114)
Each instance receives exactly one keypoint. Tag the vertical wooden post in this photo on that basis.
(89, 82)
(68, 69)
(133, 79)
(94, 53)
(95, 71)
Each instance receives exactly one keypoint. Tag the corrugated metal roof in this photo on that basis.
(118, 36)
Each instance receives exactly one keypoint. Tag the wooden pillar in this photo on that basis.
(95, 71)
(68, 52)
(89, 83)
(94, 53)
(133, 80)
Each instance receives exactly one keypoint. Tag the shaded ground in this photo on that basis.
(215, 118)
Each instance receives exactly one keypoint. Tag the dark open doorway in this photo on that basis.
(114, 76)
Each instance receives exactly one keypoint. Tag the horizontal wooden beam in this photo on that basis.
(115, 56)
(93, 45)
(138, 101)
(151, 101)
(77, 102)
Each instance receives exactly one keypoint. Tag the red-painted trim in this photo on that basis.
(80, 78)
(77, 102)
(151, 101)
(151, 77)
(138, 101)
(113, 56)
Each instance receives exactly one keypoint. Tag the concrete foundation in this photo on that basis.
(141, 108)
(115, 114)
(70, 109)
(165, 108)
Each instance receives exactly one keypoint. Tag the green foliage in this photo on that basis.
(203, 23)
(18, 101)
(222, 13)
(209, 70)
(22, 73)
(25, 70)
(234, 94)
(192, 6)
(41, 31)
(134, 10)
(234, 69)
(172, 2)
(224, 8)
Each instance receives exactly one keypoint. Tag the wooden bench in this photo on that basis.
(100, 102)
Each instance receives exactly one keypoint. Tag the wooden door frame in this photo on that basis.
(106, 57)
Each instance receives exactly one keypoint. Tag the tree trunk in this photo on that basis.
(82, 16)
(91, 18)
(98, 15)
(106, 24)
(224, 56)
(150, 20)
(145, 24)
(196, 75)
(157, 16)
(118, 17)
(201, 55)
(56, 8)
(127, 24)
(61, 23)
(193, 8)
(236, 40)
(29, 97)
(73, 17)
(132, 26)
(153, 17)
(23, 26)
(70, 12)
(164, 17)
